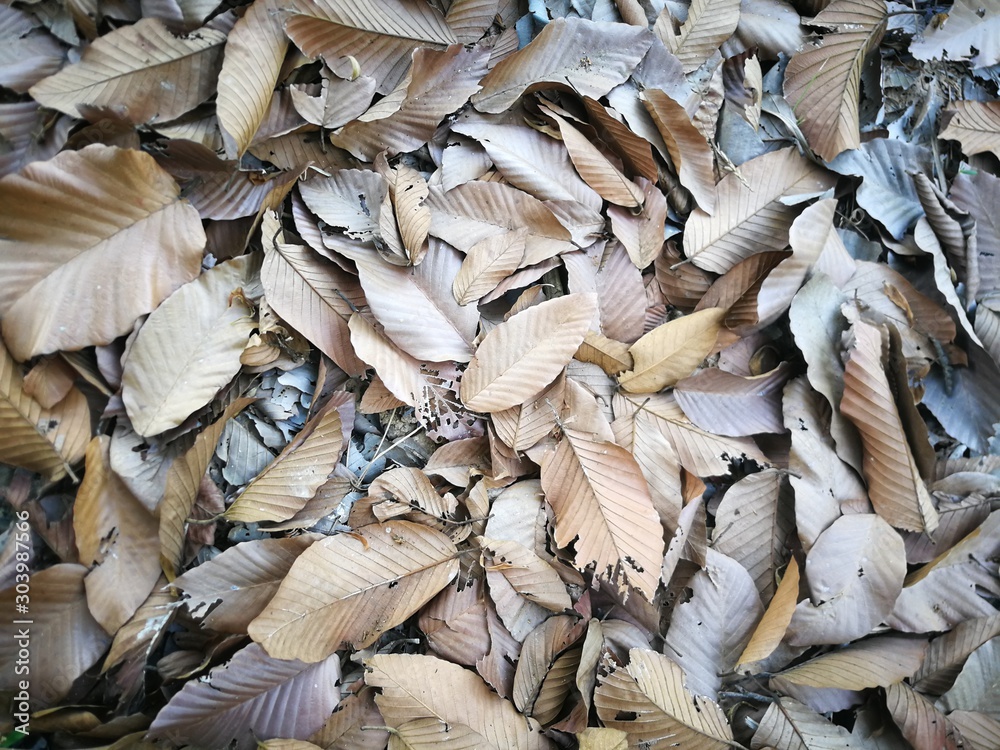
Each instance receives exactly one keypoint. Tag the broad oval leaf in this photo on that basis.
(351, 588)
(188, 349)
(518, 358)
(249, 698)
(976, 125)
(142, 72)
(79, 263)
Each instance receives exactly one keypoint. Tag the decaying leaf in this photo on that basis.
(672, 351)
(352, 588)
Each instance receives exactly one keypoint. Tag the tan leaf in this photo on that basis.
(352, 726)
(340, 100)
(352, 588)
(855, 572)
(642, 233)
(790, 725)
(976, 125)
(611, 356)
(30, 433)
(708, 25)
(247, 699)
(117, 538)
(690, 153)
(131, 256)
(188, 348)
(554, 57)
(601, 500)
(648, 701)
(183, 479)
(672, 351)
(595, 169)
(877, 662)
(547, 667)
(418, 688)
(528, 574)
(142, 72)
(700, 452)
(895, 487)
(145, 629)
(708, 632)
(823, 79)
(747, 214)
(923, 725)
(240, 581)
(753, 525)
(602, 738)
(348, 199)
(519, 357)
(487, 263)
(380, 37)
(412, 216)
(727, 404)
(416, 305)
(949, 651)
(255, 49)
(315, 297)
(74, 640)
(771, 629)
(476, 210)
(454, 623)
(439, 83)
(284, 487)
(398, 371)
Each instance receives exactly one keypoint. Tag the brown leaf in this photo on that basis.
(248, 698)
(877, 662)
(601, 500)
(894, 484)
(707, 26)
(352, 588)
(726, 404)
(672, 351)
(142, 71)
(823, 80)
(553, 57)
(117, 537)
(442, 696)
(132, 257)
(31, 434)
(59, 619)
(518, 358)
(771, 629)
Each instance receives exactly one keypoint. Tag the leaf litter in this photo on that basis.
(500, 375)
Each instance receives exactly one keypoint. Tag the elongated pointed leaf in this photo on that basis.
(823, 80)
(976, 125)
(352, 588)
(895, 486)
(255, 49)
(611, 52)
(672, 351)
(648, 701)
(416, 688)
(249, 699)
(877, 662)
(518, 358)
(67, 233)
(771, 628)
(601, 500)
(143, 72)
(709, 23)
(748, 217)
(30, 433)
(188, 349)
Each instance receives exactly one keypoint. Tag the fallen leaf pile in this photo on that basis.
(485, 374)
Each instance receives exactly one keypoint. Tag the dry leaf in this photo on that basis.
(129, 255)
(188, 348)
(352, 588)
(672, 351)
